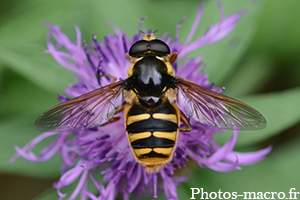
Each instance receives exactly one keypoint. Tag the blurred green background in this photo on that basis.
(258, 63)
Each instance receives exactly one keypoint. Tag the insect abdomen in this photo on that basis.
(152, 134)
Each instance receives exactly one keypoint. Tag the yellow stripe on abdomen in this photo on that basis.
(135, 118)
(140, 152)
(164, 151)
(167, 135)
(167, 117)
(138, 136)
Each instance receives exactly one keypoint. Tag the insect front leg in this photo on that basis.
(185, 122)
(114, 79)
(101, 74)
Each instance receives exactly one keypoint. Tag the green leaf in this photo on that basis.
(31, 62)
(277, 31)
(221, 58)
(22, 44)
(251, 76)
(21, 96)
(281, 110)
(22, 22)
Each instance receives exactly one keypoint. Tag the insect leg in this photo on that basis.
(172, 57)
(185, 122)
(114, 119)
(121, 109)
(114, 79)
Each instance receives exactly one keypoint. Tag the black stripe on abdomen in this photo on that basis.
(153, 154)
(152, 125)
(152, 142)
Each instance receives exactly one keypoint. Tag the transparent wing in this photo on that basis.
(217, 110)
(86, 111)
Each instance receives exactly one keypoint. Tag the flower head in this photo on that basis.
(105, 149)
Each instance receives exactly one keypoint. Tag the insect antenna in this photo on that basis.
(140, 27)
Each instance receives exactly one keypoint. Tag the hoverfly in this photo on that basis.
(149, 97)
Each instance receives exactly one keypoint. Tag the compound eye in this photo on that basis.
(138, 47)
(159, 46)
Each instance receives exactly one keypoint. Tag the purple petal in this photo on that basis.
(248, 158)
(154, 186)
(223, 167)
(80, 184)
(68, 177)
(29, 155)
(195, 24)
(214, 33)
(222, 152)
(169, 186)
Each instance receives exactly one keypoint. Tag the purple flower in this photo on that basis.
(105, 150)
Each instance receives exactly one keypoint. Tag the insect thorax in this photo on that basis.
(150, 79)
